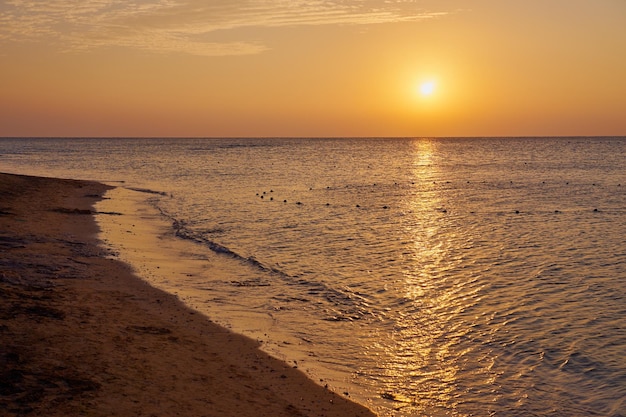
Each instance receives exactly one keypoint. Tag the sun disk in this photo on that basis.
(427, 88)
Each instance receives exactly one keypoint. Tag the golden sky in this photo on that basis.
(312, 67)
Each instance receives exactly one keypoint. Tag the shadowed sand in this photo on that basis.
(81, 335)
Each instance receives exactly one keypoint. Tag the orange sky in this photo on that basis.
(312, 68)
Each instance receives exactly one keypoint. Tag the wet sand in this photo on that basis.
(81, 335)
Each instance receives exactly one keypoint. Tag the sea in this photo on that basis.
(417, 276)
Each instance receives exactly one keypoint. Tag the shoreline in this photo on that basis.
(81, 334)
(143, 237)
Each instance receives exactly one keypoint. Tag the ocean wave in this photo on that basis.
(147, 191)
(338, 304)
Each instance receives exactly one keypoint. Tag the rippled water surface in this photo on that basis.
(447, 277)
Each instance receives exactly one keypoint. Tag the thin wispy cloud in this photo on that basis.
(183, 26)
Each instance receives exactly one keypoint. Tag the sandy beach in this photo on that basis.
(81, 335)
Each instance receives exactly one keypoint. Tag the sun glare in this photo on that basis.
(427, 88)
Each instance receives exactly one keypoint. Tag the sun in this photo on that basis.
(427, 88)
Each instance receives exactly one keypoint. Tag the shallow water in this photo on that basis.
(450, 277)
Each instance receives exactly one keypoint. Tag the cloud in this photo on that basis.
(186, 26)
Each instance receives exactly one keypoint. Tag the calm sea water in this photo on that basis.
(445, 277)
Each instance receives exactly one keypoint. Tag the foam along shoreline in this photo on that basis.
(145, 240)
(80, 334)
(191, 268)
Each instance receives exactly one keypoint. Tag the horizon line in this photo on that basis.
(321, 137)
